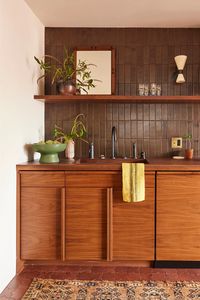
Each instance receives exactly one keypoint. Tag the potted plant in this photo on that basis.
(49, 150)
(64, 73)
(78, 131)
(189, 150)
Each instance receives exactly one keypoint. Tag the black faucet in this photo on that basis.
(114, 138)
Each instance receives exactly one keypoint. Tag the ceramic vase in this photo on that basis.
(70, 150)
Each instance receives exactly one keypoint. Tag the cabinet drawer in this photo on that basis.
(91, 179)
(101, 179)
(41, 178)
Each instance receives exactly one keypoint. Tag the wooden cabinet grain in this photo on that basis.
(178, 216)
(86, 223)
(40, 215)
(80, 215)
(99, 225)
(87, 215)
(133, 225)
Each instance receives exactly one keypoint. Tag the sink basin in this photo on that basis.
(111, 161)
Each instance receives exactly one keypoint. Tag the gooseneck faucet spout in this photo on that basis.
(114, 138)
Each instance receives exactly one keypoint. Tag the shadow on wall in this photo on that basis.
(28, 148)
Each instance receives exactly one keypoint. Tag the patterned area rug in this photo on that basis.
(111, 290)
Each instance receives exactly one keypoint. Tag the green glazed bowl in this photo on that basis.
(49, 152)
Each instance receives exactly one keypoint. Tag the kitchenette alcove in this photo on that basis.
(77, 213)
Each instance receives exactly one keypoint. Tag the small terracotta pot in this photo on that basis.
(189, 153)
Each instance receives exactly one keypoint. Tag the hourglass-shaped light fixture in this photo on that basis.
(180, 61)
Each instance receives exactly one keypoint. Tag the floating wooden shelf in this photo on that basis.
(116, 98)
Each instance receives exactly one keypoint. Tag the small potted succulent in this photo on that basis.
(78, 131)
(189, 150)
(70, 78)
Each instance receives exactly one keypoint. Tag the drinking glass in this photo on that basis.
(141, 89)
(146, 89)
(158, 90)
(153, 89)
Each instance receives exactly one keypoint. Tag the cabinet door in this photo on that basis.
(133, 225)
(86, 223)
(87, 200)
(40, 215)
(40, 223)
(178, 216)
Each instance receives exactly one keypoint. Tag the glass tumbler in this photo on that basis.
(153, 89)
(146, 89)
(158, 90)
(141, 89)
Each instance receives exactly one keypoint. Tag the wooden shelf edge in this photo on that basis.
(116, 98)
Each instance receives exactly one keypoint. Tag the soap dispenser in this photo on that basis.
(134, 151)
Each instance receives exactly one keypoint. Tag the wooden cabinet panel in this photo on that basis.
(42, 178)
(133, 227)
(101, 179)
(86, 223)
(40, 223)
(130, 234)
(92, 179)
(178, 216)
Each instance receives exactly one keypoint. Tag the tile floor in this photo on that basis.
(17, 287)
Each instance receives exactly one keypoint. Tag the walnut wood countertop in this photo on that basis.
(162, 164)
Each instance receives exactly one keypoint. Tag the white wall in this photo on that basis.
(21, 117)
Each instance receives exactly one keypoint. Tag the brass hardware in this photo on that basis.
(63, 224)
(109, 224)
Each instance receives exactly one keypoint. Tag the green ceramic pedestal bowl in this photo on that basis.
(49, 152)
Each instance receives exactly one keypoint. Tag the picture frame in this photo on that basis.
(102, 69)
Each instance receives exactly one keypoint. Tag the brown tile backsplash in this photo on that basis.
(142, 55)
(151, 126)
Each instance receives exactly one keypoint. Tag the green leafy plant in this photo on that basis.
(49, 142)
(67, 70)
(188, 139)
(78, 131)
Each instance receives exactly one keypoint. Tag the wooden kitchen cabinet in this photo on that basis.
(133, 224)
(40, 212)
(87, 215)
(99, 225)
(80, 215)
(178, 216)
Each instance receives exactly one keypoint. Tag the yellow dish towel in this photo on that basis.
(133, 182)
